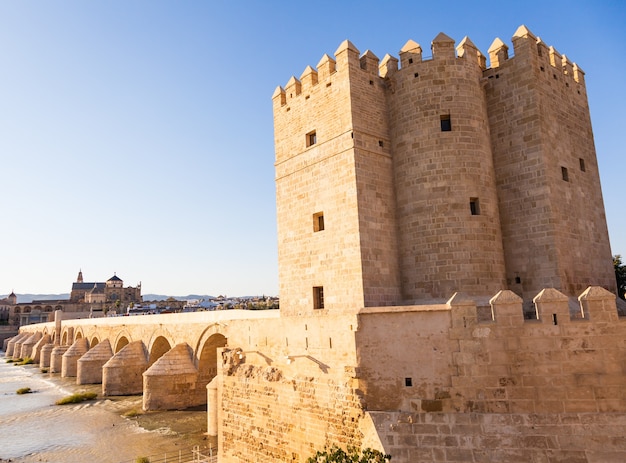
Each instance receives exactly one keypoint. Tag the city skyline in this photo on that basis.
(137, 138)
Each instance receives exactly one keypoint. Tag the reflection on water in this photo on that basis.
(33, 428)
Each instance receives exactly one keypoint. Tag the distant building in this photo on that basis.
(110, 291)
(86, 300)
(6, 305)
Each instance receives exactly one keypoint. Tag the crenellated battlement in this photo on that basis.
(534, 52)
(552, 307)
(525, 44)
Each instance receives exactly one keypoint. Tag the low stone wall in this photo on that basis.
(510, 438)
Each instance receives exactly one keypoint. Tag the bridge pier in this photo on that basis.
(46, 355)
(56, 358)
(10, 352)
(29, 343)
(71, 356)
(122, 374)
(170, 383)
(36, 354)
(89, 369)
(211, 405)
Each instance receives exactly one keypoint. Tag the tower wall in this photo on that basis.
(551, 204)
(446, 245)
(344, 176)
(373, 151)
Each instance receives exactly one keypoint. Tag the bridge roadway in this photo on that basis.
(169, 358)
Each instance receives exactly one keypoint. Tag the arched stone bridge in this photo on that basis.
(169, 358)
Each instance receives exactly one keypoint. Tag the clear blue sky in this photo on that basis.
(136, 136)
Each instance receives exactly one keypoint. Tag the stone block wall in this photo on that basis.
(511, 438)
(268, 415)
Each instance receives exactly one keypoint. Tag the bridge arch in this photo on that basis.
(64, 337)
(159, 345)
(206, 355)
(78, 335)
(94, 341)
(121, 340)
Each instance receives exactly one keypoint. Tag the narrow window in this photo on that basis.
(311, 139)
(318, 221)
(474, 206)
(582, 164)
(408, 382)
(446, 125)
(318, 297)
(565, 174)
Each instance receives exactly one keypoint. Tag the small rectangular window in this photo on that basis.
(408, 382)
(318, 297)
(311, 139)
(582, 165)
(318, 221)
(446, 125)
(565, 174)
(474, 206)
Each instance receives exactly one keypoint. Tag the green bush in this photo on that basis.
(131, 413)
(25, 361)
(23, 390)
(142, 460)
(77, 398)
(352, 455)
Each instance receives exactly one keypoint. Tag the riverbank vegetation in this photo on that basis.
(77, 398)
(352, 455)
(21, 361)
(23, 390)
(132, 413)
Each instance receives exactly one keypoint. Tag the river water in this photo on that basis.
(34, 429)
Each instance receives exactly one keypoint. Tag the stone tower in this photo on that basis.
(400, 182)
(552, 212)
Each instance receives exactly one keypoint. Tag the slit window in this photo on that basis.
(311, 139)
(564, 174)
(582, 165)
(474, 206)
(446, 124)
(318, 221)
(318, 297)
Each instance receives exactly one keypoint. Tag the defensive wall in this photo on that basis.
(434, 383)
